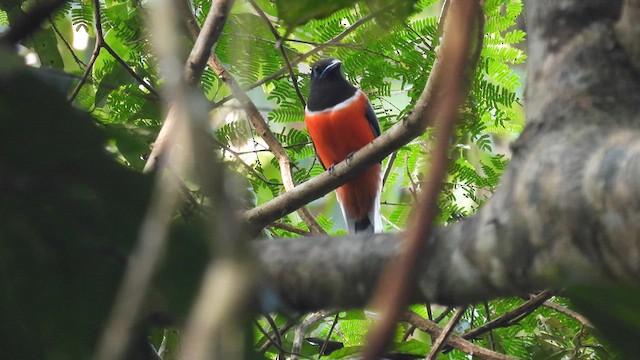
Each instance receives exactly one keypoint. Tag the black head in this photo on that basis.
(328, 86)
(326, 69)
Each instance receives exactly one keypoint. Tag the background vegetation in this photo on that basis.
(75, 217)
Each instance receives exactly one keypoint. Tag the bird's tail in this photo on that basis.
(371, 223)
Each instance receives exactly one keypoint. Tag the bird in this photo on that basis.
(340, 121)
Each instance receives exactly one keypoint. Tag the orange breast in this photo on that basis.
(337, 134)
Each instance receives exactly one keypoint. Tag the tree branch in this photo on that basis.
(511, 317)
(570, 313)
(463, 24)
(205, 39)
(187, 141)
(80, 63)
(440, 340)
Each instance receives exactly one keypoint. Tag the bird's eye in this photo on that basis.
(315, 69)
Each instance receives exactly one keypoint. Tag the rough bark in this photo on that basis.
(568, 208)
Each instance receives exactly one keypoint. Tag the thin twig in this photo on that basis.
(487, 311)
(302, 330)
(273, 342)
(94, 54)
(358, 46)
(290, 228)
(570, 313)
(292, 146)
(80, 63)
(277, 338)
(414, 186)
(87, 71)
(443, 315)
(128, 68)
(387, 170)
(424, 41)
(244, 164)
(442, 337)
(399, 279)
(324, 344)
(283, 330)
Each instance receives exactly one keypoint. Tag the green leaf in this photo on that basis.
(297, 12)
(117, 77)
(45, 44)
(614, 311)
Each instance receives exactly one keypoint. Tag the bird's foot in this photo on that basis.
(332, 169)
(349, 157)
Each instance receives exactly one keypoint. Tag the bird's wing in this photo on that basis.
(373, 120)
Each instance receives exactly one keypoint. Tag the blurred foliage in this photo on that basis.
(73, 195)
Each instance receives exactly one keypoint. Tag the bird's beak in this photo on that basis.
(334, 64)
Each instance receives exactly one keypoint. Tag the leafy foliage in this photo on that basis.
(93, 197)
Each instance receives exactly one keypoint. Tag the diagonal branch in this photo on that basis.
(570, 313)
(80, 63)
(440, 340)
(508, 318)
(463, 24)
(267, 135)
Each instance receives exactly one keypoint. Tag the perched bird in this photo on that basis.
(340, 120)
